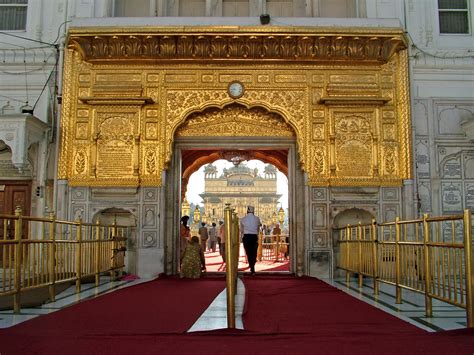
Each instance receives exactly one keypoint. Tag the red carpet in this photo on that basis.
(296, 316)
(168, 305)
(335, 322)
(307, 305)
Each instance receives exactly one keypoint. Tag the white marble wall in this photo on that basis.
(326, 205)
(145, 247)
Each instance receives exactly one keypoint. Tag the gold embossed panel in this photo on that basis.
(354, 148)
(343, 95)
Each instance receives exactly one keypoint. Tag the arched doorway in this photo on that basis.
(216, 132)
(122, 217)
(240, 181)
(350, 216)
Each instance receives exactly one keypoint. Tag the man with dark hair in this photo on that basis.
(221, 240)
(213, 237)
(249, 228)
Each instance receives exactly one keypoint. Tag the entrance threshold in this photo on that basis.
(215, 264)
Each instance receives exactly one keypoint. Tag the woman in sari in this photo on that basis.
(184, 235)
(193, 262)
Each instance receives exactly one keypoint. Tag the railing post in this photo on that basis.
(348, 235)
(260, 246)
(427, 275)
(52, 257)
(236, 247)
(375, 256)
(359, 255)
(114, 247)
(97, 253)
(229, 267)
(78, 255)
(277, 247)
(118, 271)
(18, 246)
(398, 290)
(469, 268)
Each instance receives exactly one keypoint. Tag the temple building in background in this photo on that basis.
(240, 186)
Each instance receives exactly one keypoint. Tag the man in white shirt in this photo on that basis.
(249, 226)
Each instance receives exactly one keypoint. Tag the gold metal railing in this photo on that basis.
(272, 247)
(38, 252)
(231, 223)
(431, 255)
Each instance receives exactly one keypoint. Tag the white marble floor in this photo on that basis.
(215, 316)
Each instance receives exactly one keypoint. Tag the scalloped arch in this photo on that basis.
(290, 105)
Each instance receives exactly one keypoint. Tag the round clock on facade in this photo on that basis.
(235, 89)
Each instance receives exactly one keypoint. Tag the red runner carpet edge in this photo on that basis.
(169, 305)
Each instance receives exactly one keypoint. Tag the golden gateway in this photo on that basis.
(343, 94)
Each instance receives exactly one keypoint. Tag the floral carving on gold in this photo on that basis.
(234, 121)
(80, 162)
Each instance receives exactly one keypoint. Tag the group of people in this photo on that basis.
(192, 248)
(212, 237)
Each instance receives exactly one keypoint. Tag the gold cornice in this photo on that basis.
(277, 44)
(332, 30)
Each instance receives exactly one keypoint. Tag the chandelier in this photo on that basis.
(235, 156)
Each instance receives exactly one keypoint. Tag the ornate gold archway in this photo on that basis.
(343, 92)
(232, 121)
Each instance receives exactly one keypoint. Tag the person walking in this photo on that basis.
(249, 226)
(213, 237)
(222, 240)
(203, 235)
